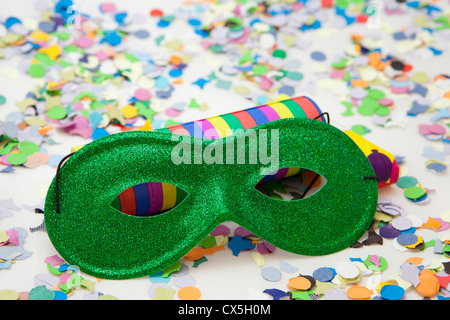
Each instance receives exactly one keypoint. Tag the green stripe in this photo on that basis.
(296, 110)
(232, 121)
(181, 194)
(116, 204)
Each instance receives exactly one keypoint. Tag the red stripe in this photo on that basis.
(245, 118)
(308, 107)
(128, 201)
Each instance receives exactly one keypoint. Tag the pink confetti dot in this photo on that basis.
(84, 42)
(142, 94)
(108, 7)
(171, 112)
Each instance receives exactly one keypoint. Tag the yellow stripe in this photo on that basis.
(220, 125)
(292, 171)
(366, 146)
(169, 196)
(282, 110)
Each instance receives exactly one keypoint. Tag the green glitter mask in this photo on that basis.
(104, 242)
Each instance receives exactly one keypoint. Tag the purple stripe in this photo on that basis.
(270, 113)
(208, 129)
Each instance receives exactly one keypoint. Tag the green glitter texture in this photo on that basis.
(107, 243)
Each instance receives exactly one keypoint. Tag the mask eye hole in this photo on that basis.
(148, 199)
(293, 183)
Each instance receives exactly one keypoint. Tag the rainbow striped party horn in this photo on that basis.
(152, 198)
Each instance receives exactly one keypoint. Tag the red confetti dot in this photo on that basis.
(327, 3)
(407, 68)
(362, 18)
(156, 13)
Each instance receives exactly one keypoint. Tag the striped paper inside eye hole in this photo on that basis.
(153, 198)
(148, 199)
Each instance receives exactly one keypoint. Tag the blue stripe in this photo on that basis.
(194, 129)
(142, 199)
(258, 115)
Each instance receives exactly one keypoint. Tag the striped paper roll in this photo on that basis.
(155, 197)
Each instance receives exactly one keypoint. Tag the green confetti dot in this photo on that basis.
(279, 54)
(415, 192)
(293, 75)
(41, 293)
(259, 70)
(368, 107)
(17, 158)
(36, 70)
(2, 100)
(382, 111)
(406, 182)
(376, 94)
(360, 129)
(56, 113)
(28, 147)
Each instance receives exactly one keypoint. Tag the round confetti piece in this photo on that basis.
(142, 94)
(348, 270)
(294, 75)
(36, 70)
(56, 113)
(17, 158)
(358, 292)
(7, 294)
(129, 111)
(28, 147)
(141, 34)
(402, 223)
(184, 281)
(428, 285)
(156, 13)
(415, 193)
(189, 293)
(318, 56)
(324, 274)
(376, 94)
(108, 7)
(407, 239)
(368, 107)
(382, 111)
(392, 292)
(271, 274)
(300, 283)
(2, 99)
(406, 182)
(445, 215)
(389, 232)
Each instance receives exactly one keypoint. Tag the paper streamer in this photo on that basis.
(156, 197)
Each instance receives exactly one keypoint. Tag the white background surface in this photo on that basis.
(225, 276)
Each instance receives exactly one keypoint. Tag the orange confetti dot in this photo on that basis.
(189, 293)
(299, 283)
(428, 285)
(359, 293)
(212, 250)
(176, 60)
(415, 261)
(360, 83)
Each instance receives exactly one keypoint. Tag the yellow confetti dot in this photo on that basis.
(53, 51)
(39, 35)
(129, 111)
(445, 215)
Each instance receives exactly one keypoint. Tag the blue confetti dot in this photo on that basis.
(194, 22)
(318, 56)
(142, 34)
(175, 73)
